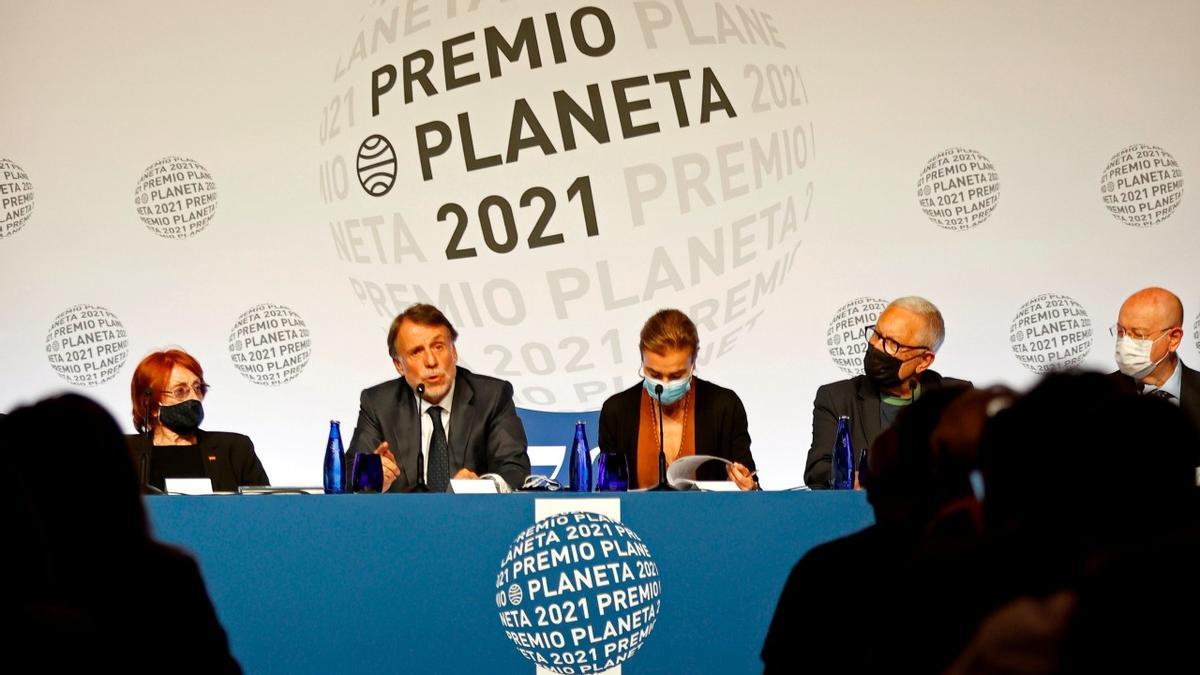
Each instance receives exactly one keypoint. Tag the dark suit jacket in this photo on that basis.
(1189, 391)
(235, 462)
(721, 429)
(132, 613)
(485, 434)
(858, 399)
(917, 589)
(832, 594)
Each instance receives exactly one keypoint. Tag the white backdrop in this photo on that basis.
(173, 167)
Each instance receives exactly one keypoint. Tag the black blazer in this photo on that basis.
(130, 611)
(233, 462)
(1189, 391)
(858, 399)
(485, 435)
(721, 428)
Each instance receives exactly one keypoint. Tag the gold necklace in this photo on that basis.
(683, 428)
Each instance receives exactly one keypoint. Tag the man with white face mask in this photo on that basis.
(1149, 331)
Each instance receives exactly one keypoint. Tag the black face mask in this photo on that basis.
(182, 418)
(881, 368)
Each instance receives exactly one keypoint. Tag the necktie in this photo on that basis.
(1164, 395)
(439, 454)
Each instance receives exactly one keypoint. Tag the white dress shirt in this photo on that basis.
(1172, 386)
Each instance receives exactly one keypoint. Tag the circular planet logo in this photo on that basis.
(376, 165)
(583, 593)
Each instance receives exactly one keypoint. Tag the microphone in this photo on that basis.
(144, 475)
(420, 486)
(663, 485)
(146, 416)
(144, 463)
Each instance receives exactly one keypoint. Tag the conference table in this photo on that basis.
(369, 583)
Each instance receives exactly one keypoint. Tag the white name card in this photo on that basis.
(472, 486)
(189, 486)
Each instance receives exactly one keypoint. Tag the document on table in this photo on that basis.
(680, 472)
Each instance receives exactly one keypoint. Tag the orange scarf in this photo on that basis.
(647, 447)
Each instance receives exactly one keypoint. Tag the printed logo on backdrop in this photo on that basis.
(176, 198)
(1051, 332)
(845, 338)
(958, 189)
(1196, 334)
(16, 197)
(550, 174)
(578, 593)
(1142, 185)
(269, 344)
(87, 345)
(376, 165)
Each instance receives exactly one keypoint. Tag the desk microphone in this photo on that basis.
(663, 485)
(420, 486)
(149, 428)
(144, 462)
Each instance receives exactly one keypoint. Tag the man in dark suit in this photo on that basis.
(900, 349)
(468, 425)
(1149, 331)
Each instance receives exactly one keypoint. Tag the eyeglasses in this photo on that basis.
(180, 392)
(889, 345)
(536, 482)
(666, 377)
(1117, 330)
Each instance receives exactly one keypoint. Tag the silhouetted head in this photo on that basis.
(75, 502)
(1077, 465)
(955, 440)
(901, 480)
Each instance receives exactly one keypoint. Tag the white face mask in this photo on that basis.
(1133, 356)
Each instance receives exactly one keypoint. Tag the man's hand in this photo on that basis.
(465, 474)
(740, 475)
(391, 471)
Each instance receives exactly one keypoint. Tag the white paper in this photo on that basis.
(471, 486)
(189, 486)
(680, 472)
(717, 486)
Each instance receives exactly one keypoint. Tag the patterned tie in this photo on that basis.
(438, 468)
(1164, 395)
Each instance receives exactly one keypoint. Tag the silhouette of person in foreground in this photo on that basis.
(1090, 527)
(89, 587)
(880, 600)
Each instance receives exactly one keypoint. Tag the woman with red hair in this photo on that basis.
(167, 393)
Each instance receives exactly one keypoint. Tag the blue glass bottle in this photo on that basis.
(579, 462)
(843, 457)
(612, 472)
(335, 460)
